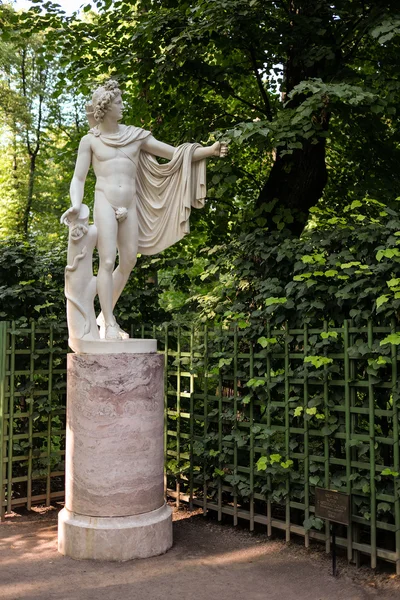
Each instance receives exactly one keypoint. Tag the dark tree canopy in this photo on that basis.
(308, 95)
(289, 80)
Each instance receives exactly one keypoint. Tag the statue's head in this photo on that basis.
(103, 99)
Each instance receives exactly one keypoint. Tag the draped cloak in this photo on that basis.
(165, 193)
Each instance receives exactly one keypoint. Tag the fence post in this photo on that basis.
(371, 411)
(348, 430)
(287, 431)
(396, 449)
(205, 418)
(166, 342)
(3, 364)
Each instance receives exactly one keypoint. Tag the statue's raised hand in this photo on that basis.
(70, 215)
(220, 149)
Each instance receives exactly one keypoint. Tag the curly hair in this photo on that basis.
(103, 97)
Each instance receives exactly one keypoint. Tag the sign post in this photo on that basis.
(334, 507)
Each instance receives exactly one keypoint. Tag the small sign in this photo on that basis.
(332, 505)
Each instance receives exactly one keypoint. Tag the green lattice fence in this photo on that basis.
(251, 427)
(32, 415)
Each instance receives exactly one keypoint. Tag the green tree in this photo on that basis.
(307, 93)
(40, 127)
(25, 80)
(286, 80)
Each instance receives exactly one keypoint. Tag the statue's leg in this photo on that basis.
(107, 230)
(127, 243)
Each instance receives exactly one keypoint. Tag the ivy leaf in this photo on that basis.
(272, 301)
(275, 458)
(387, 253)
(256, 382)
(262, 463)
(214, 452)
(390, 472)
(381, 300)
(313, 522)
(393, 338)
(264, 342)
(384, 507)
(219, 472)
(223, 362)
(329, 334)
(318, 361)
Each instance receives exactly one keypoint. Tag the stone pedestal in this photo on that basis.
(114, 506)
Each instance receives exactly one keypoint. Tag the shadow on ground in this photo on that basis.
(207, 561)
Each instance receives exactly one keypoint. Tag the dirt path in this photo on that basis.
(207, 561)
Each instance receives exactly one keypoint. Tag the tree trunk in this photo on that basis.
(296, 181)
(29, 199)
(15, 163)
(295, 184)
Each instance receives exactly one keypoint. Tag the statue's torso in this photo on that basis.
(115, 170)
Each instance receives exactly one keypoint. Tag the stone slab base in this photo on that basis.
(129, 346)
(115, 538)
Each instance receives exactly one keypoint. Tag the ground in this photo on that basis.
(208, 560)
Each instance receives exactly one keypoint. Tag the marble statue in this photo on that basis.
(140, 206)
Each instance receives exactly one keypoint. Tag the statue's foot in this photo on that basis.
(112, 332)
(123, 335)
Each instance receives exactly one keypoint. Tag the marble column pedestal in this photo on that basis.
(114, 506)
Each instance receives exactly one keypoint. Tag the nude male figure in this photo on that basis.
(115, 213)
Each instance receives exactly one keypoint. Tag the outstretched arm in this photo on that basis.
(153, 146)
(78, 181)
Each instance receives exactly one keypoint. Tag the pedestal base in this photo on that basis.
(129, 346)
(115, 538)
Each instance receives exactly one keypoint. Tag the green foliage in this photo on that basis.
(390, 472)
(291, 110)
(318, 361)
(345, 268)
(32, 286)
(393, 338)
(246, 395)
(313, 522)
(337, 270)
(236, 85)
(387, 29)
(39, 129)
(31, 283)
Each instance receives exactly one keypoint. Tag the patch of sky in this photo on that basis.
(69, 6)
